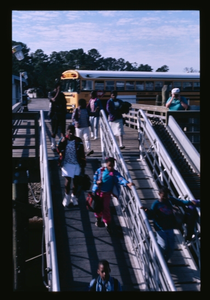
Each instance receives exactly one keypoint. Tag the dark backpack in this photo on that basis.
(125, 107)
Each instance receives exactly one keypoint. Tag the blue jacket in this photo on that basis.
(162, 213)
(111, 285)
(118, 180)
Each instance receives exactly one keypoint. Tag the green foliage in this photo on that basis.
(42, 69)
(164, 68)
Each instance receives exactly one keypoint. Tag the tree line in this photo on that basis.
(43, 69)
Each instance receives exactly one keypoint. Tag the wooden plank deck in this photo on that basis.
(81, 244)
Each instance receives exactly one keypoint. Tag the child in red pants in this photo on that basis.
(106, 182)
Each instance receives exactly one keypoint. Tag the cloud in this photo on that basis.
(124, 21)
(137, 36)
(108, 13)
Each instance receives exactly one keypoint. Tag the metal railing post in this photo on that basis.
(47, 209)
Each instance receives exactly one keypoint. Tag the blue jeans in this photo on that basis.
(165, 239)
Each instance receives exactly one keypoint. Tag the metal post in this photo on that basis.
(20, 229)
(21, 88)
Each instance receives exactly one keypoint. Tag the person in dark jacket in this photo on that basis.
(72, 162)
(57, 114)
(164, 220)
(115, 118)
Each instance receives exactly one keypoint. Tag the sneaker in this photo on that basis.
(74, 200)
(91, 134)
(66, 200)
(53, 147)
(90, 152)
(95, 138)
(122, 147)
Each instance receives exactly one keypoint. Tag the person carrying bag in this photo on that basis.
(106, 181)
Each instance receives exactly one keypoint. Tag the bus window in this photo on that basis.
(69, 85)
(129, 85)
(99, 85)
(158, 85)
(140, 85)
(169, 84)
(196, 86)
(187, 86)
(87, 85)
(177, 84)
(109, 85)
(149, 85)
(120, 85)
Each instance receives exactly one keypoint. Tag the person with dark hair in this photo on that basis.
(94, 106)
(72, 162)
(164, 220)
(115, 118)
(106, 181)
(80, 118)
(104, 282)
(57, 113)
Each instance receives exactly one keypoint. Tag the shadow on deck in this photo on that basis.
(80, 244)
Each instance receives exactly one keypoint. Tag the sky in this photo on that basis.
(150, 37)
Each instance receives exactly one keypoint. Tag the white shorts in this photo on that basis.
(70, 170)
(117, 127)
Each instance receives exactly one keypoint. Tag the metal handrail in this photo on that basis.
(165, 171)
(47, 213)
(155, 271)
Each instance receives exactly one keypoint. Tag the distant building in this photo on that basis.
(16, 88)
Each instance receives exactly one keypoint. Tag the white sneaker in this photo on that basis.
(91, 134)
(66, 200)
(53, 145)
(95, 138)
(74, 200)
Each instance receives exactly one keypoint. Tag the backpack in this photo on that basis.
(125, 107)
(84, 181)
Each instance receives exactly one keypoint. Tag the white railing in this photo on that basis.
(155, 271)
(53, 283)
(189, 149)
(164, 170)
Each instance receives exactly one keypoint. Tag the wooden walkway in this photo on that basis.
(80, 244)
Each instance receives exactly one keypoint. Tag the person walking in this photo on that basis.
(106, 181)
(80, 118)
(94, 106)
(57, 114)
(72, 162)
(104, 282)
(164, 220)
(115, 118)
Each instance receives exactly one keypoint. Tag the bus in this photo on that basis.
(132, 86)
